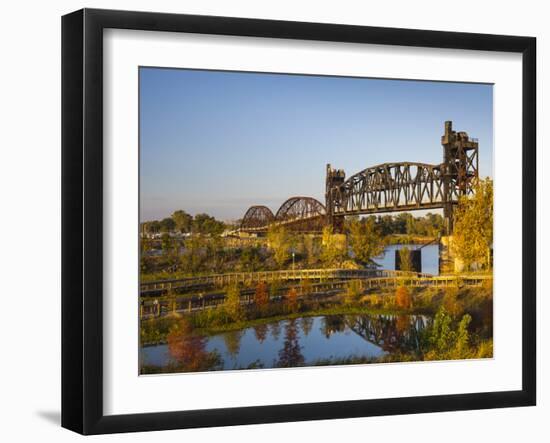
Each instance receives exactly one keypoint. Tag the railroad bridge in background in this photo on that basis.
(389, 187)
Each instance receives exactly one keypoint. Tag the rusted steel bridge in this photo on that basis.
(389, 187)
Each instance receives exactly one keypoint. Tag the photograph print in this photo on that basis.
(294, 220)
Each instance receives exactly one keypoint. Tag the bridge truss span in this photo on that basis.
(304, 214)
(390, 187)
(257, 218)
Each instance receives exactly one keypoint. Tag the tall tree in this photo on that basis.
(233, 303)
(405, 259)
(167, 224)
(279, 242)
(311, 249)
(182, 220)
(365, 240)
(334, 247)
(473, 226)
(206, 224)
(261, 296)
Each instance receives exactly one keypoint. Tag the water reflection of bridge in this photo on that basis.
(389, 187)
(391, 333)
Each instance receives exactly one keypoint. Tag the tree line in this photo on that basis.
(181, 221)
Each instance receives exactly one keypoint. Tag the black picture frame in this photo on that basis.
(82, 218)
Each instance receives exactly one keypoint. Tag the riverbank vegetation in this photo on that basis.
(183, 245)
(460, 324)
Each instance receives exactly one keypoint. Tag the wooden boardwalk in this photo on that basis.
(249, 278)
(154, 306)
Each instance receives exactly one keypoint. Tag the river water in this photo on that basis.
(300, 342)
(429, 254)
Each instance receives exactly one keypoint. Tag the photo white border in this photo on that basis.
(125, 392)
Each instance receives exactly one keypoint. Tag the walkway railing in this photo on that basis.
(221, 280)
(161, 305)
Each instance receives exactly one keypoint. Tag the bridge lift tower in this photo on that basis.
(460, 169)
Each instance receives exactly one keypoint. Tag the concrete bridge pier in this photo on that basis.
(449, 263)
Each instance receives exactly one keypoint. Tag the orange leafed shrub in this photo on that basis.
(261, 296)
(403, 297)
(292, 300)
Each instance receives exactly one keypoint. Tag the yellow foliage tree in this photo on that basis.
(353, 292)
(334, 247)
(233, 303)
(365, 240)
(279, 242)
(473, 226)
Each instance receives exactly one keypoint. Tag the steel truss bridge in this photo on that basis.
(389, 187)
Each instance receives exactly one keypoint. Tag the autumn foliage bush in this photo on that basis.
(403, 298)
(261, 296)
(292, 300)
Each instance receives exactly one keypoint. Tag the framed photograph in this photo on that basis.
(268, 221)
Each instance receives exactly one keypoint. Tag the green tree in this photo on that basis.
(215, 253)
(182, 221)
(152, 227)
(442, 337)
(232, 303)
(167, 225)
(353, 292)
(274, 288)
(311, 249)
(462, 347)
(365, 240)
(250, 258)
(279, 242)
(473, 226)
(166, 243)
(193, 256)
(405, 259)
(334, 247)
(206, 224)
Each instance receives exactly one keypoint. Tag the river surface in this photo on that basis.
(429, 257)
(300, 342)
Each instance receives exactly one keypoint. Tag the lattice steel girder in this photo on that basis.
(390, 186)
(299, 208)
(257, 217)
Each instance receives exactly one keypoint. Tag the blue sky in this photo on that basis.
(219, 142)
